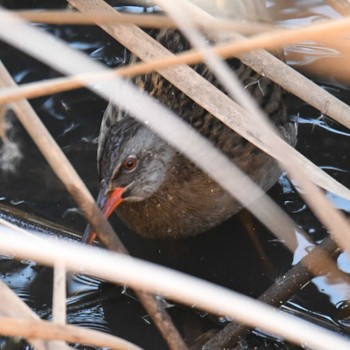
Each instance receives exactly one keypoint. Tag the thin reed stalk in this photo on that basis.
(45, 330)
(145, 21)
(59, 299)
(59, 294)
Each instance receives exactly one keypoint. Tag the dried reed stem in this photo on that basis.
(77, 18)
(38, 329)
(59, 294)
(59, 298)
(145, 21)
(175, 285)
(83, 198)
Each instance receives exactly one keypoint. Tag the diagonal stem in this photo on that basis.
(75, 186)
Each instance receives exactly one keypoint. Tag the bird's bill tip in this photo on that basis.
(114, 198)
(107, 205)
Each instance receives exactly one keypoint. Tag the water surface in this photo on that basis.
(225, 255)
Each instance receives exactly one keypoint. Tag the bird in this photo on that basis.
(154, 189)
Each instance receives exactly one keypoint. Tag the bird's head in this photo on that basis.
(133, 162)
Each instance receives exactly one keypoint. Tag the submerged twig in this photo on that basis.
(282, 290)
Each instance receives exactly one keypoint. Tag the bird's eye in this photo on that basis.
(130, 163)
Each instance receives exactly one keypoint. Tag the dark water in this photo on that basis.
(225, 255)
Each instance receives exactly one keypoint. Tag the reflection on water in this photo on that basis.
(225, 255)
(291, 13)
(328, 57)
(338, 202)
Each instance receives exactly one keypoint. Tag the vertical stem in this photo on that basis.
(59, 293)
(59, 298)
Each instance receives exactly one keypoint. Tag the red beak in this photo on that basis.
(107, 205)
